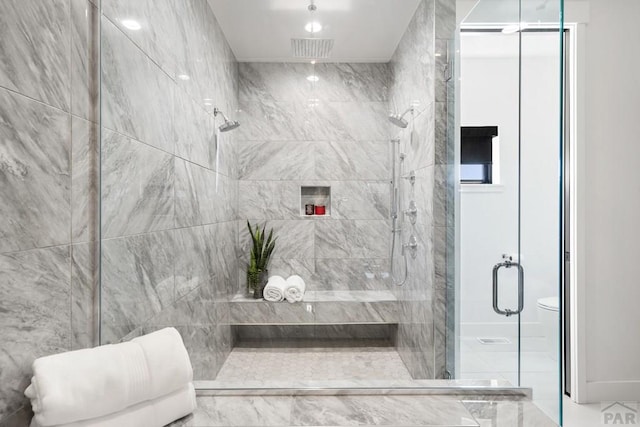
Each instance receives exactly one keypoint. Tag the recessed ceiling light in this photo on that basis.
(313, 27)
(313, 62)
(183, 77)
(313, 78)
(131, 24)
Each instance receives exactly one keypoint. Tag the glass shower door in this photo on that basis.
(509, 232)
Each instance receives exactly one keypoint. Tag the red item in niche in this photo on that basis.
(320, 210)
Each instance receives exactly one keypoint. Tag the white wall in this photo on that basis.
(611, 203)
(489, 221)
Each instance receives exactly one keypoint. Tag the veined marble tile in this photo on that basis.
(221, 63)
(442, 146)
(360, 82)
(274, 160)
(34, 46)
(356, 312)
(351, 239)
(191, 50)
(267, 120)
(84, 295)
(413, 64)
(22, 417)
(194, 131)
(158, 26)
(360, 200)
(250, 311)
(379, 410)
(195, 263)
(351, 274)
(294, 238)
(137, 281)
(241, 411)
(35, 174)
(137, 187)
(351, 121)
(445, 19)
(35, 316)
(508, 413)
(203, 196)
(337, 81)
(275, 82)
(84, 180)
(205, 256)
(137, 95)
(350, 161)
(85, 55)
(443, 49)
(269, 200)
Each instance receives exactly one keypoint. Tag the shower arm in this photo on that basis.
(217, 111)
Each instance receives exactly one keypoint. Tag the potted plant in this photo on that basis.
(261, 250)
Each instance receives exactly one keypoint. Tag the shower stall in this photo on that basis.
(193, 143)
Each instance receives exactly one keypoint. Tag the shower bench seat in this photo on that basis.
(318, 307)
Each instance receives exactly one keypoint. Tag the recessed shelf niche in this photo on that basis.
(317, 196)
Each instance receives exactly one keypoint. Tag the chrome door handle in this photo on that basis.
(508, 312)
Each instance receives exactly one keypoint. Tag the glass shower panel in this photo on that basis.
(518, 44)
(541, 209)
(489, 220)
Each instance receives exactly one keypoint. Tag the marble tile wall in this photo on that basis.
(169, 180)
(48, 188)
(329, 133)
(169, 190)
(418, 80)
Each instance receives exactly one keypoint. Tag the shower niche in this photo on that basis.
(315, 201)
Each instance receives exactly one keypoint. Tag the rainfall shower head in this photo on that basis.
(228, 124)
(399, 120)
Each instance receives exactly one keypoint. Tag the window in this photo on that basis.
(476, 158)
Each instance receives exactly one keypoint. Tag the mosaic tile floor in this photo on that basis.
(313, 364)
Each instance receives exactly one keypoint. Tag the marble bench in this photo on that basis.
(318, 307)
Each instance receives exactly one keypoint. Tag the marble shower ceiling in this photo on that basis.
(364, 30)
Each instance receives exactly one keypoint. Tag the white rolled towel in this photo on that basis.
(274, 290)
(90, 383)
(294, 291)
(152, 413)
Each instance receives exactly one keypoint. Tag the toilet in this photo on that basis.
(548, 309)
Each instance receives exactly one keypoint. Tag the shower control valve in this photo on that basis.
(412, 212)
(412, 246)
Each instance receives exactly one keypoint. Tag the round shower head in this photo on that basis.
(228, 125)
(398, 120)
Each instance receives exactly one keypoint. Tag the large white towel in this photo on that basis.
(153, 413)
(91, 383)
(274, 290)
(294, 291)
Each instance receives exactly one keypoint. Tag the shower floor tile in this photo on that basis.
(313, 364)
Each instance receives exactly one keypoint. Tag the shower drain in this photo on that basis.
(493, 341)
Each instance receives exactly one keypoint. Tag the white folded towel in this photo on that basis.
(274, 290)
(294, 291)
(90, 383)
(152, 413)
